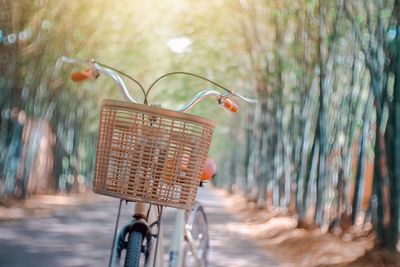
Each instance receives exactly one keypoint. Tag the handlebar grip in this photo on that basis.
(231, 106)
(82, 75)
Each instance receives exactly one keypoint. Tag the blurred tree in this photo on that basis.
(393, 128)
(317, 67)
(312, 134)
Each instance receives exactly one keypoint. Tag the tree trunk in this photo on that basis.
(392, 136)
(360, 174)
(321, 121)
(395, 186)
(381, 179)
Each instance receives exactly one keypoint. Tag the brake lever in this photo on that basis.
(246, 99)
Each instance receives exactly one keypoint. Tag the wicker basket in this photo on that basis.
(150, 154)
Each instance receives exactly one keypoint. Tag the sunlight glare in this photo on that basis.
(180, 45)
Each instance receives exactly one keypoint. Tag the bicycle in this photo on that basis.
(153, 157)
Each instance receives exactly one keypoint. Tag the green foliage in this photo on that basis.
(121, 37)
(289, 54)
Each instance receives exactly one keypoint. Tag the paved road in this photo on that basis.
(82, 236)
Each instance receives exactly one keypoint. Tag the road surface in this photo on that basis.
(82, 236)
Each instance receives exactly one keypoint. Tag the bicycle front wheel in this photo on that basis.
(134, 249)
(198, 227)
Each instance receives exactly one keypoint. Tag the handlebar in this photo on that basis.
(96, 69)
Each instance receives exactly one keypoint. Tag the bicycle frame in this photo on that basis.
(181, 231)
(176, 248)
(179, 235)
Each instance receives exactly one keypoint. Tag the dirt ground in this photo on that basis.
(241, 235)
(290, 246)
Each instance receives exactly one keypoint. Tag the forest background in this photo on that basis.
(323, 141)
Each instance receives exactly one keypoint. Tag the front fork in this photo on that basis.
(137, 225)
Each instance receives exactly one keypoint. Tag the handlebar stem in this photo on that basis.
(117, 79)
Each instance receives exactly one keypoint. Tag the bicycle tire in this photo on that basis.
(198, 226)
(133, 250)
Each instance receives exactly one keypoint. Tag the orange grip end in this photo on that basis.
(231, 106)
(82, 75)
(209, 170)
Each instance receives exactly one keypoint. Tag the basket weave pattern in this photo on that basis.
(150, 154)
